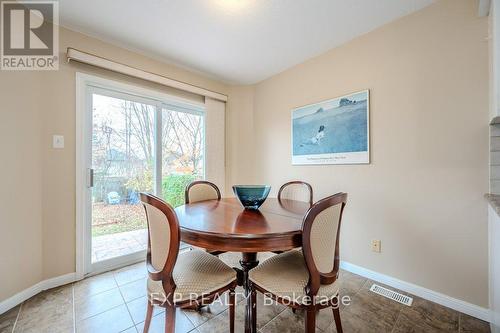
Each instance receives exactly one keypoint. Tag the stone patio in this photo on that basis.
(115, 245)
(120, 244)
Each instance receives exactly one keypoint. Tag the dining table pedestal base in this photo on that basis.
(247, 262)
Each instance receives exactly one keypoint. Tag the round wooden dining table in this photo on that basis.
(223, 225)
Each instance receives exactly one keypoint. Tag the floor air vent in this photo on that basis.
(400, 298)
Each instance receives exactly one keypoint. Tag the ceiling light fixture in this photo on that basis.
(232, 5)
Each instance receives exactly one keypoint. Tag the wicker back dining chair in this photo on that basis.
(307, 278)
(189, 279)
(296, 190)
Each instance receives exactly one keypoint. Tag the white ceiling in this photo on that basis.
(237, 41)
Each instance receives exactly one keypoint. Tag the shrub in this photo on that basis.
(141, 182)
(174, 186)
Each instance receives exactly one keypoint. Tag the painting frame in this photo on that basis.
(332, 158)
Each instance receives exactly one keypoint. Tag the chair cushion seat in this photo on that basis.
(195, 272)
(286, 275)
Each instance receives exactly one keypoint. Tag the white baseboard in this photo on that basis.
(22, 296)
(430, 295)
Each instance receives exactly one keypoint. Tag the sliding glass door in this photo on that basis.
(136, 144)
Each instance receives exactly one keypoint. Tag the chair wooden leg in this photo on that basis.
(149, 315)
(310, 320)
(336, 316)
(232, 303)
(254, 310)
(170, 319)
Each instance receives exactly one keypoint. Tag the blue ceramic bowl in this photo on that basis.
(251, 196)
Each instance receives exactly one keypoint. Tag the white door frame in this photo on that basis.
(84, 82)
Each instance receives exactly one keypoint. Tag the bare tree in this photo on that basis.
(140, 119)
(183, 139)
(128, 143)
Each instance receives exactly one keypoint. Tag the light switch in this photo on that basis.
(376, 245)
(58, 142)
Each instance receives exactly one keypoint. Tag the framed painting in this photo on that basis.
(336, 131)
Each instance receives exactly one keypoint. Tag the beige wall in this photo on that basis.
(21, 184)
(422, 195)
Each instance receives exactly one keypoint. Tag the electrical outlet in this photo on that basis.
(376, 245)
(57, 141)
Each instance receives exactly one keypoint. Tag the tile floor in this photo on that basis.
(116, 302)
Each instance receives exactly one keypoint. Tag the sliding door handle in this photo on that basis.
(90, 178)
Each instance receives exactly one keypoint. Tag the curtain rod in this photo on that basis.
(91, 59)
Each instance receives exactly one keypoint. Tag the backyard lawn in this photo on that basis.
(111, 219)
